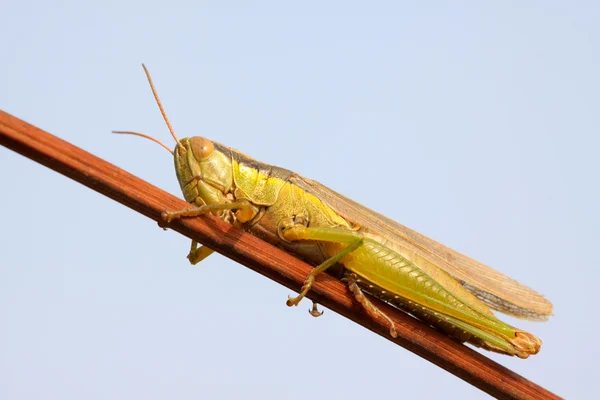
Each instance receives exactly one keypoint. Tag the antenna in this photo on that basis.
(145, 136)
(162, 110)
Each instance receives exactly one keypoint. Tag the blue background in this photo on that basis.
(475, 124)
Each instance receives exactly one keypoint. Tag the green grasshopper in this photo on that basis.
(373, 254)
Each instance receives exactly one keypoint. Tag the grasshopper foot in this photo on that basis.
(293, 301)
(165, 219)
(315, 311)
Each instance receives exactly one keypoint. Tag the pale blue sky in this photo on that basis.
(474, 124)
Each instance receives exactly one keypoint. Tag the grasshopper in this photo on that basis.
(371, 253)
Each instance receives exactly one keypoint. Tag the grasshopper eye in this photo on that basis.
(202, 148)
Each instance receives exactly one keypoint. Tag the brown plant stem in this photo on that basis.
(263, 258)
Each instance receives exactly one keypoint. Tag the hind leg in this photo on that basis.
(373, 311)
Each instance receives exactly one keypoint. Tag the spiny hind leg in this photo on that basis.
(300, 232)
(373, 311)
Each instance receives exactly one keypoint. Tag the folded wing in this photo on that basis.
(497, 290)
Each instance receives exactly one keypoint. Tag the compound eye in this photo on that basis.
(202, 148)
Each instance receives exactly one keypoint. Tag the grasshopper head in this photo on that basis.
(205, 173)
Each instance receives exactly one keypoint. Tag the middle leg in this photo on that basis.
(300, 232)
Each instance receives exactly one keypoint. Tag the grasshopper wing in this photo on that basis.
(497, 290)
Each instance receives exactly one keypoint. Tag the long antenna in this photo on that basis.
(162, 110)
(145, 136)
